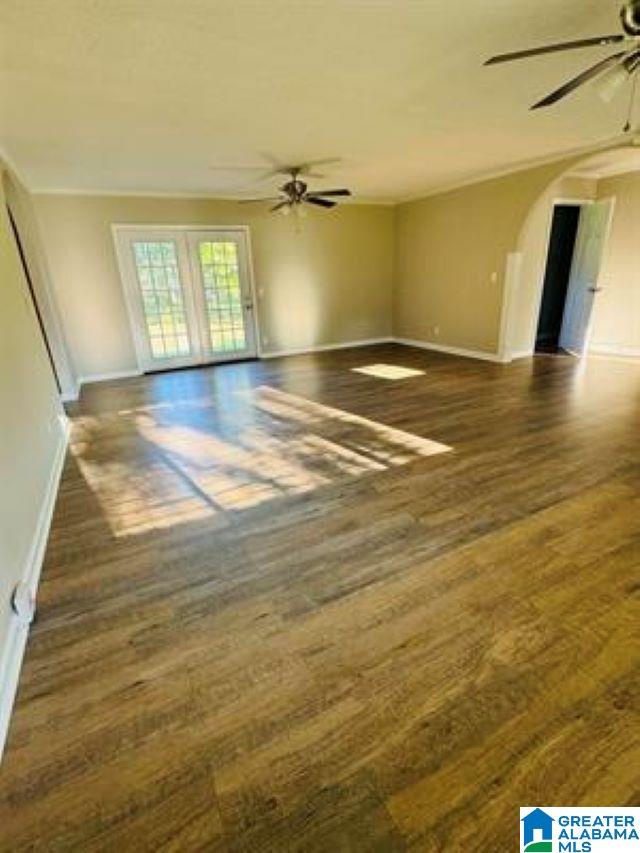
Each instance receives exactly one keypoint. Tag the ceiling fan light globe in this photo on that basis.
(611, 83)
(630, 14)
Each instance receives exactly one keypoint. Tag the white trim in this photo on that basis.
(107, 377)
(512, 279)
(71, 396)
(16, 641)
(555, 202)
(612, 143)
(620, 350)
(251, 272)
(9, 164)
(205, 195)
(465, 353)
(367, 342)
(167, 226)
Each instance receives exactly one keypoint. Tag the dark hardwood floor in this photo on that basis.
(291, 607)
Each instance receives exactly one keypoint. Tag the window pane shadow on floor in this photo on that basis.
(153, 467)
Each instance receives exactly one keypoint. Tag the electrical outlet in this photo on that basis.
(436, 331)
(23, 604)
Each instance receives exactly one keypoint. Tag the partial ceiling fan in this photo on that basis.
(613, 71)
(295, 192)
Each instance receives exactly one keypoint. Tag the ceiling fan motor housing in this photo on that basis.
(295, 189)
(631, 17)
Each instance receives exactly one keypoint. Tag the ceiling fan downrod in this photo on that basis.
(630, 16)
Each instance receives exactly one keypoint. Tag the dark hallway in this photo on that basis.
(560, 256)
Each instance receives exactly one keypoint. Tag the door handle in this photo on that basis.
(595, 289)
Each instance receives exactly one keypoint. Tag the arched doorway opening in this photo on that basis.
(575, 280)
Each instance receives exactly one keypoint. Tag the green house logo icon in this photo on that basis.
(538, 832)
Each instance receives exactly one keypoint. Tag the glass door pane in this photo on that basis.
(159, 293)
(188, 295)
(223, 299)
(221, 270)
(162, 298)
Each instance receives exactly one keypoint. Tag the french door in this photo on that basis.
(189, 295)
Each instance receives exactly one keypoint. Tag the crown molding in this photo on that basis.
(618, 141)
(201, 196)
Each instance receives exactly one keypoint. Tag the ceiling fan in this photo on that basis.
(613, 71)
(295, 192)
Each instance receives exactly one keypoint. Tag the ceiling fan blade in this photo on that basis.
(280, 205)
(316, 193)
(258, 200)
(304, 170)
(578, 81)
(320, 202)
(311, 164)
(556, 48)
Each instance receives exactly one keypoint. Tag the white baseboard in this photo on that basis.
(366, 342)
(325, 347)
(524, 353)
(106, 377)
(465, 353)
(72, 395)
(615, 349)
(13, 653)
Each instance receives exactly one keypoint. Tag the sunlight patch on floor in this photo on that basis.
(388, 371)
(187, 463)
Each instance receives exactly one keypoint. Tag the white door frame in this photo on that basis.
(556, 202)
(118, 228)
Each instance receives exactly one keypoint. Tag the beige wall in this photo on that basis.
(326, 279)
(616, 319)
(451, 258)
(30, 428)
(433, 270)
(453, 252)
(447, 249)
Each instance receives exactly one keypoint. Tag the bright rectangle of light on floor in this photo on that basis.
(388, 371)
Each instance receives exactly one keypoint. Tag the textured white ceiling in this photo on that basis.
(175, 95)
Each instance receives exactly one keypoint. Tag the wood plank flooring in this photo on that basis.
(291, 607)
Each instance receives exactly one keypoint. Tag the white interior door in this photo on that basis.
(223, 294)
(188, 294)
(593, 230)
